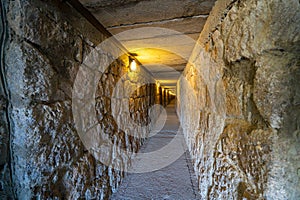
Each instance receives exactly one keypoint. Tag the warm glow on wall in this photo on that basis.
(158, 84)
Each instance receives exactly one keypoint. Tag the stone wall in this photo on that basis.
(5, 167)
(239, 101)
(47, 43)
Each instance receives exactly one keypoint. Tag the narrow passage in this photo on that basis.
(176, 181)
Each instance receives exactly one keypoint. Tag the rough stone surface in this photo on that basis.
(5, 168)
(117, 13)
(239, 101)
(48, 42)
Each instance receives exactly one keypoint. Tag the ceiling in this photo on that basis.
(162, 33)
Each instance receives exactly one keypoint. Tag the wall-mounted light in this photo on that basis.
(133, 65)
(158, 84)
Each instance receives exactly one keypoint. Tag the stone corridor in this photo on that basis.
(176, 181)
(150, 99)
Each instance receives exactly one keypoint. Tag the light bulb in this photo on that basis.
(133, 65)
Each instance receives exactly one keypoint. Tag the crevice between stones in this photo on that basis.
(158, 21)
(6, 91)
(189, 166)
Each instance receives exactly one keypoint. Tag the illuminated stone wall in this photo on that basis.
(45, 46)
(239, 101)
